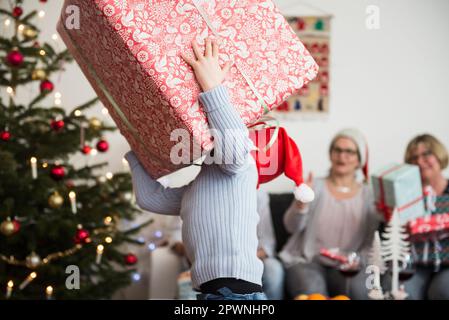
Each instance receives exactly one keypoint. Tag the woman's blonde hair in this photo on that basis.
(433, 144)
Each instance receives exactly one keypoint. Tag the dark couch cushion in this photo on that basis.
(279, 203)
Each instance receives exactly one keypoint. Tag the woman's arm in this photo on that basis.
(295, 218)
(150, 194)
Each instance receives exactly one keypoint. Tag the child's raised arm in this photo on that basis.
(232, 145)
(150, 194)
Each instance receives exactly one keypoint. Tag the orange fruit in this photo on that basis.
(340, 297)
(301, 297)
(317, 296)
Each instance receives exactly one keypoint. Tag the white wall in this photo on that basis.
(390, 83)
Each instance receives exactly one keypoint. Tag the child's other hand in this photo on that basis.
(207, 70)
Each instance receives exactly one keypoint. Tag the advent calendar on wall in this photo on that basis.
(313, 98)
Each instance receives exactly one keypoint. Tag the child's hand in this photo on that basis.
(207, 70)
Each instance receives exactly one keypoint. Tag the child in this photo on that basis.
(218, 208)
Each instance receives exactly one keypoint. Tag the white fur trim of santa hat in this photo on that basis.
(304, 193)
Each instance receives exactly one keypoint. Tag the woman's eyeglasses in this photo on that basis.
(426, 155)
(349, 152)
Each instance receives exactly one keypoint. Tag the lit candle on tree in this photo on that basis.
(49, 292)
(28, 279)
(72, 196)
(100, 249)
(9, 288)
(33, 161)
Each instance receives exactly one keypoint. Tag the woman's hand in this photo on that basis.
(207, 70)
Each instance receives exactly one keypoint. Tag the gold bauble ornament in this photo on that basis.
(7, 227)
(29, 33)
(95, 123)
(39, 74)
(55, 201)
(33, 260)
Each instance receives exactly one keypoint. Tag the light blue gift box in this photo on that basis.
(402, 189)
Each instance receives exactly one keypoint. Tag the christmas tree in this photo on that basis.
(60, 236)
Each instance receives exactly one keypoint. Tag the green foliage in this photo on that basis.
(44, 229)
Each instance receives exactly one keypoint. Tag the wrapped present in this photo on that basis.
(130, 53)
(432, 252)
(430, 234)
(429, 226)
(399, 187)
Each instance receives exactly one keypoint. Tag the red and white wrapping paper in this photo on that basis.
(130, 53)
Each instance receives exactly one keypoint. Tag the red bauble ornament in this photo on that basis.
(14, 58)
(16, 225)
(57, 124)
(47, 86)
(69, 184)
(86, 149)
(57, 172)
(5, 135)
(102, 146)
(81, 236)
(130, 259)
(17, 12)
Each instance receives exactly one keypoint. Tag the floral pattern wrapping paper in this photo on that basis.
(129, 50)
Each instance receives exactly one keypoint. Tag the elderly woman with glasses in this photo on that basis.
(343, 216)
(431, 156)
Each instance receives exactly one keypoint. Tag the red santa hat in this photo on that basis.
(279, 155)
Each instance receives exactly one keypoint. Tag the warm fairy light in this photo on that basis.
(107, 220)
(42, 52)
(10, 90)
(57, 102)
(104, 111)
(57, 95)
(93, 152)
(45, 165)
(20, 27)
(78, 113)
(109, 175)
(49, 292)
(54, 37)
(41, 14)
(108, 239)
(7, 22)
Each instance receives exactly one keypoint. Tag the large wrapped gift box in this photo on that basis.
(399, 187)
(130, 53)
